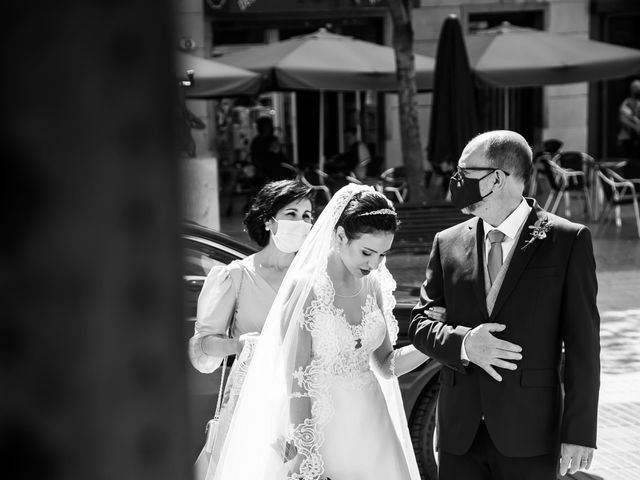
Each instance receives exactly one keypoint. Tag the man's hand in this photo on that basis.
(574, 458)
(487, 351)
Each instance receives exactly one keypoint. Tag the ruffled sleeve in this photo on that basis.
(216, 305)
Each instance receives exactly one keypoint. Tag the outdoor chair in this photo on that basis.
(353, 178)
(561, 181)
(549, 170)
(394, 182)
(575, 169)
(550, 148)
(552, 145)
(319, 184)
(617, 191)
(313, 178)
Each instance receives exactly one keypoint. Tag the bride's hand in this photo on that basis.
(437, 314)
(285, 449)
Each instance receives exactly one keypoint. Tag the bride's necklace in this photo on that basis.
(353, 295)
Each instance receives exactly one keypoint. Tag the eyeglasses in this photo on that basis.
(461, 172)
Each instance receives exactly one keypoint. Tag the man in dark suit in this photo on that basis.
(518, 284)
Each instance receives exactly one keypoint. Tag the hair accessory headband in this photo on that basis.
(384, 211)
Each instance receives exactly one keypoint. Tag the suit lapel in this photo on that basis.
(475, 238)
(520, 258)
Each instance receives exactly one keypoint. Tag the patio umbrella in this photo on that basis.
(327, 61)
(324, 61)
(215, 79)
(508, 56)
(454, 118)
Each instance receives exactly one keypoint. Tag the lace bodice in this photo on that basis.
(345, 349)
(342, 349)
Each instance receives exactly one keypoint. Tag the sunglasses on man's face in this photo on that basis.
(461, 172)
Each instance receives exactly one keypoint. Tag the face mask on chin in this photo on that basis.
(290, 235)
(465, 191)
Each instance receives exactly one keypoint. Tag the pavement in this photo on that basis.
(617, 253)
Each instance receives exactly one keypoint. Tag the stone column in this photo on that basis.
(201, 203)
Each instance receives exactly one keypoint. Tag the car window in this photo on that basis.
(200, 257)
(198, 263)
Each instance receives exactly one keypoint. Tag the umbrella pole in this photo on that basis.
(294, 127)
(340, 121)
(321, 136)
(358, 116)
(506, 108)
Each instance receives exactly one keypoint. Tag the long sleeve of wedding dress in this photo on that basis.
(387, 360)
(390, 362)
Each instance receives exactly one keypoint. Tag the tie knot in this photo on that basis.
(495, 236)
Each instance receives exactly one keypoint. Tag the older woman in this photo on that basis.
(236, 298)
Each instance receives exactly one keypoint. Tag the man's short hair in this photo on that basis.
(508, 151)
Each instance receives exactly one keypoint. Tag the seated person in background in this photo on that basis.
(353, 161)
(629, 116)
(266, 153)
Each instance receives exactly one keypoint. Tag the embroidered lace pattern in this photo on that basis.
(341, 353)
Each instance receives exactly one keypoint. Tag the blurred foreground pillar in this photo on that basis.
(91, 357)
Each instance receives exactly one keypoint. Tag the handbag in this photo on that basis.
(201, 465)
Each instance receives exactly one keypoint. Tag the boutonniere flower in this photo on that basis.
(539, 231)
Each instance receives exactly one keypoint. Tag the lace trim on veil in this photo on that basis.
(313, 379)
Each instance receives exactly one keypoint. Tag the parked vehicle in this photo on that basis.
(205, 248)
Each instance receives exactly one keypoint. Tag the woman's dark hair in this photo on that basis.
(356, 219)
(273, 197)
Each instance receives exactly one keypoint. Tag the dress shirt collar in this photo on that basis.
(512, 223)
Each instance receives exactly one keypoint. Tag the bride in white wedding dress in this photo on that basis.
(321, 398)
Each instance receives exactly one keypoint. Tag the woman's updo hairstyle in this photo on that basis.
(272, 198)
(367, 212)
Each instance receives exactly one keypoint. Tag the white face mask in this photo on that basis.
(290, 235)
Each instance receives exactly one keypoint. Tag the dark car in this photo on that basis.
(205, 248)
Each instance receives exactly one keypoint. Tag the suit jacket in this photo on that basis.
(547, 301)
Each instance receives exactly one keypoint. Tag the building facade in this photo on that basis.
(583, 116)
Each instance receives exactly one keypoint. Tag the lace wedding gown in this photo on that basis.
(351, 424)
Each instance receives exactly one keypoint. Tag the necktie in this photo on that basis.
(494, 261)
